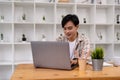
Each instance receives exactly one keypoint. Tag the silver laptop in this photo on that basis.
(51, 54)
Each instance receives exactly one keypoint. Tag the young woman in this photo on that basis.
(78, 43)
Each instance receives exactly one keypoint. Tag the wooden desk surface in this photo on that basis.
(28, 72)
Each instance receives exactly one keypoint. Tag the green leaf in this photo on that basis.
(97, 53)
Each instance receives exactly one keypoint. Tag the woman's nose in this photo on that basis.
(67, 31)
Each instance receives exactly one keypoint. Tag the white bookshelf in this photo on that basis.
(100, 20)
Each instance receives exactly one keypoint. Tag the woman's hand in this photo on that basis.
(74, 61)
(76, 54)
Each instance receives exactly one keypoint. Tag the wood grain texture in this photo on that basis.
(28, 72)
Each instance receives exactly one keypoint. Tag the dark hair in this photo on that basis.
(70, 17)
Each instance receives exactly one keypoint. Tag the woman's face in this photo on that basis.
(70, 31)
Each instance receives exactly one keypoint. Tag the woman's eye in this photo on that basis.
(69, 28)
(64, 28)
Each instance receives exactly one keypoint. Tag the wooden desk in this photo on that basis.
(28, 72)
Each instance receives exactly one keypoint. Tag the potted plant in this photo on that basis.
(44, 18)
(118, 35)
(99, 35)
(24, 17)
(1, 36)
(43, 37)
(2, 18)
(97, 58)
(24, 38)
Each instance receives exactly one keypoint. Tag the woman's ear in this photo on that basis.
(77, 26)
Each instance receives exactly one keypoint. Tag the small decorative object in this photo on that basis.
(99, 2)
(51, 0)
(60, 38)
(43, 18)
(84, 20)
(85, 1)
(117, 17)
(1, 18)
(82, 34)
(2, 37)
(23, 37)
(97, 56)
(92, 1)
(117, 1)
(63, 0)
(24, 17)
(99, 36)
(43, 37)
(118, 35)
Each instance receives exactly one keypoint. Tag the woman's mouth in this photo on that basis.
(68, 35)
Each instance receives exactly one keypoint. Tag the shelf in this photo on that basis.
(22, 53)
(117, 24)
(85, 2)
(65, 2)
(108, 24)
(117, 42)
(41, 1)
(105, 2)
(5, 1)
(26, 29)
(117, 50)
(22, 43)
(85, 5)
(4, 22)
(116, 33)
(42, 15)
(24, 12)
(85, 14)
(104, 6)
(44, 23)
(6, 62)
(62, 10)
(103, 15)
(117, 15)
(42, 29)
(24, 1)
(6, 72)
(6, 12)
(59, 30)
(3, 43)
(104, 33)
(6, 53)
(85, 30)
(23, 22)
(6, 30)
(23, 62)
(103, 43)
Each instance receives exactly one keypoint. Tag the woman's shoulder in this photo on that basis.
(83, 37)
(61, 38)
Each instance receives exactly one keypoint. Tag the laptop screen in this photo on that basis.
(51, 54)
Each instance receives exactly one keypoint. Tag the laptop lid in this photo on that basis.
(51, 54)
